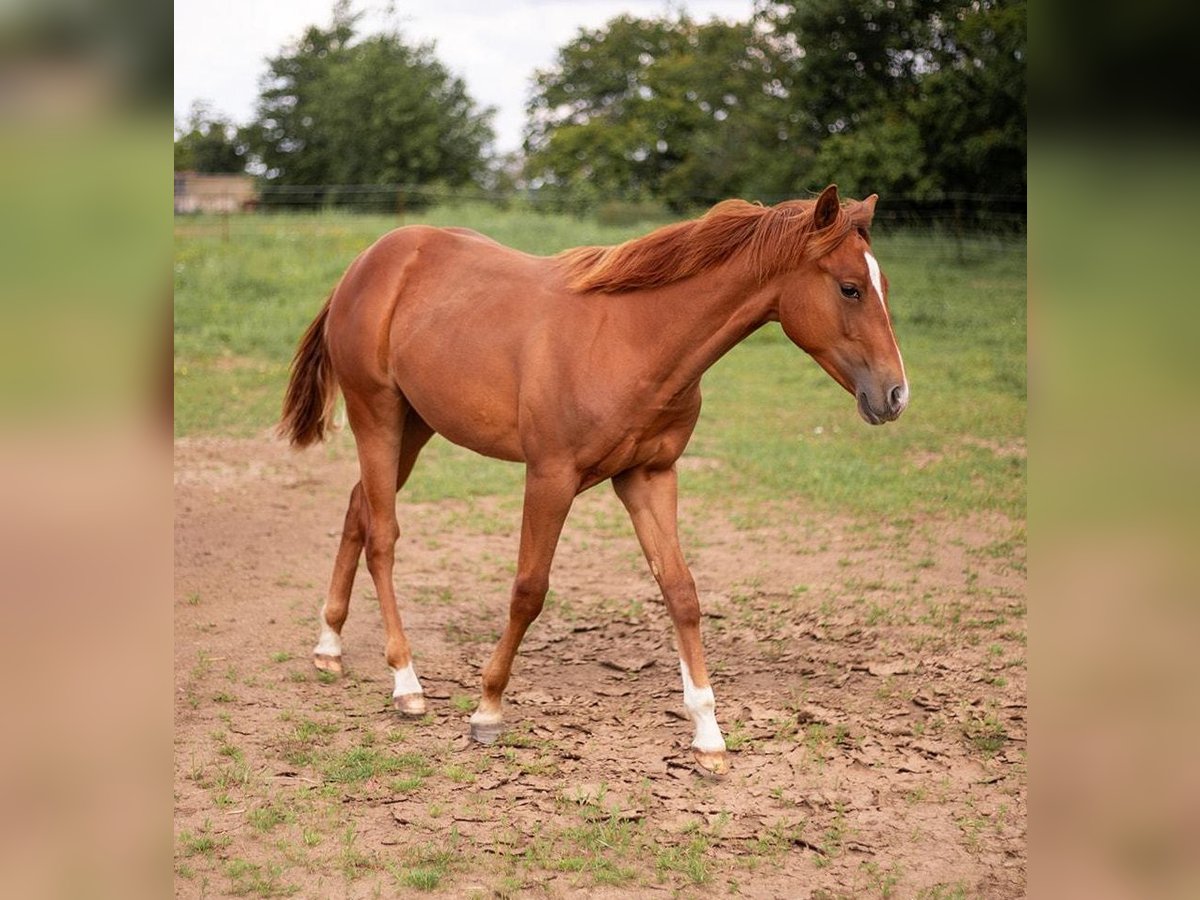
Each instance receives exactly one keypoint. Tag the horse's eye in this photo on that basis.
(850, 292)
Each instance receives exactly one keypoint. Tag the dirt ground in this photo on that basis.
(870, 678)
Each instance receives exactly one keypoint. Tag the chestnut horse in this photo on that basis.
(584, 366)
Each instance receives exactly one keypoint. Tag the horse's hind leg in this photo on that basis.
(377, 421)
(651, 499)
(327, 655)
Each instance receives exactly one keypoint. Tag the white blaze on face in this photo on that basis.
(877, 283)
(330, 642)
(701, 707)
(876, 276)
(406, 681)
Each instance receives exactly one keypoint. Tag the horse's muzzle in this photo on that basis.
(894, 403)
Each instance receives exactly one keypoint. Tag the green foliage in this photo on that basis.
(209, 143)
(656, 108)
(335, 110)
(946, 77)
(920, 99)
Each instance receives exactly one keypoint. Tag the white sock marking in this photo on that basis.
(406, 681)
(701, 706)
(330, 642)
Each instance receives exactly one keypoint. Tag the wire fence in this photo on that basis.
(217, 205)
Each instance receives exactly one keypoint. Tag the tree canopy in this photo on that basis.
(208, 142)
(921, 99)
(334, 110)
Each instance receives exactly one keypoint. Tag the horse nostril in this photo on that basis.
(896, 396)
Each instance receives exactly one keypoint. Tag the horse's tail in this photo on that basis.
(308, 405)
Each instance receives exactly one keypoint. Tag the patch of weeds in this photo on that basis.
(326, 677)
(985, 733)
(204, 843)
(833, 837)
(364, 762)
(405, 785)
(462, 703)
(882, 881)
(688, 859)
(877, 614)
(522, 738)
(251, 878)
(596, 848)
(298, 677)
(353, 862)
(509, 886)
(203, 665)
(193, 599)
(956, 891)
(738, 738)
(223, 697)
(459, 774)
(266, 817)
(281, 657)
(310, 836)
(425, 869)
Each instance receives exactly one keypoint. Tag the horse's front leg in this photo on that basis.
(650, 496)
(548, 497)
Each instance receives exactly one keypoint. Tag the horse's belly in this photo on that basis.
(475, 412)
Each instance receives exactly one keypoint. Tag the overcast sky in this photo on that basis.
(493, 45)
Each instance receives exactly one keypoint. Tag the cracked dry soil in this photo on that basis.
(870, 679)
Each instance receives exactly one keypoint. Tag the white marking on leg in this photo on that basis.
(330, 642)
(406, 681)
(701, 706)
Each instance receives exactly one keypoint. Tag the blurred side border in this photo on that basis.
(85, 463)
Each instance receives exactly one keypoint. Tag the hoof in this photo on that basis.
(410, 704)
(713, 762)
(486, 733)
(327, 663)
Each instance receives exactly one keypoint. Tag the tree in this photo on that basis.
(658, 108)
(922, 98)
(376, 111)
(208, 143)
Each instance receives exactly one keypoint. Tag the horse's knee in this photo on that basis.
(682, 601)
(529, 595)
(381, 543)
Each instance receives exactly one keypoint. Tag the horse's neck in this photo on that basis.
(694, 323)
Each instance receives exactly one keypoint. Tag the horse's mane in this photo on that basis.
(772, 238)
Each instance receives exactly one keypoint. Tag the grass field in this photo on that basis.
(870, 664)
(246, 288)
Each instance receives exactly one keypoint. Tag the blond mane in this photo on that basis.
(772, 239)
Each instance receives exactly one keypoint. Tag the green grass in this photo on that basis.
(362, 763)
(777, 425)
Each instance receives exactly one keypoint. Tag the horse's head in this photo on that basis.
(834, 307)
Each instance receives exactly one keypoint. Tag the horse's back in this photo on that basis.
(448, 317)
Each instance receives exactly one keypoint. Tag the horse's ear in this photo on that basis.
(828, 205)
(868, 208)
